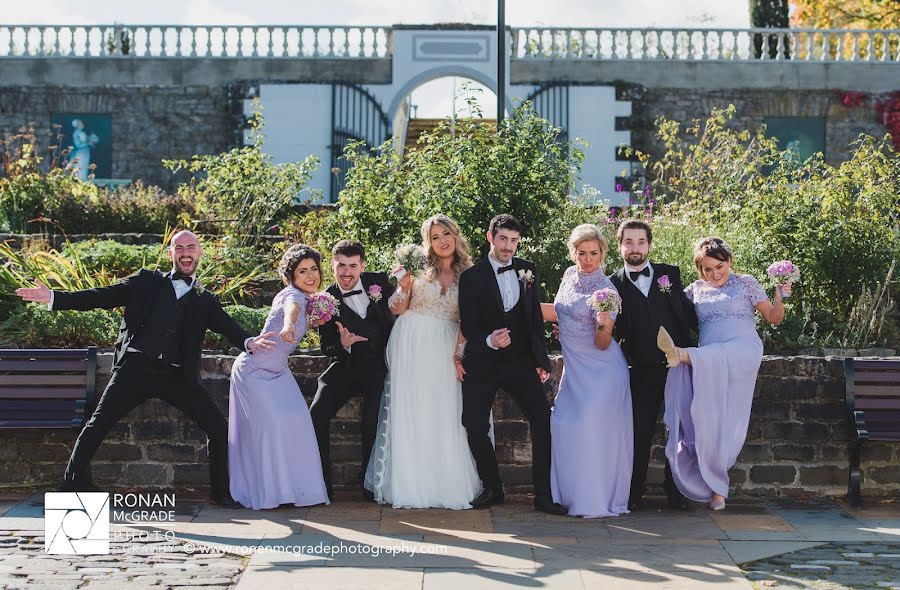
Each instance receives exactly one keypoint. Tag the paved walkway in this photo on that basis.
(755, 543)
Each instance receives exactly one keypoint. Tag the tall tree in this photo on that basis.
(768, 14)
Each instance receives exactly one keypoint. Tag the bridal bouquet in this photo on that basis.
(411, 258)
(605, 300)
(783, 272)
(321, 307)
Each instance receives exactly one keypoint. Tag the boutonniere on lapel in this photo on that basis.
(375, 293)
(526, 277)
(198, 287)
(665, 285)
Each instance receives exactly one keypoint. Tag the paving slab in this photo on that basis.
(345, 578)
(744, 551)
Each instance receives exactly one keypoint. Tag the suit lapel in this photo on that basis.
(493, 286)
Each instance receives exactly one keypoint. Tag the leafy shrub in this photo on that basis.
(241, 192)
(34, 326)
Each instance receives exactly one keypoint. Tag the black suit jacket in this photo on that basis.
(331, 340)
(481, 312)
(137, 294)
(679, 308)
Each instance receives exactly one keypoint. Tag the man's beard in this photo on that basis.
(630, 259)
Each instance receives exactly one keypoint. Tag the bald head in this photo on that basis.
(185, 252)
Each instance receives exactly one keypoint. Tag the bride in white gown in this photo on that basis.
(421, 457)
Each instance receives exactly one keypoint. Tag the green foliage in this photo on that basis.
(34, 326)
(68, 271)
(134, 208)
(769, 14)
(469, 173)
(222, 255)
(241, 191)
(839, 225)
(30, 178)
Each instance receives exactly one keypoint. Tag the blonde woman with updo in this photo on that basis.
(591, 423)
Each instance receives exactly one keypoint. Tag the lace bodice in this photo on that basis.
(275, 319)
(427, 299)
(736, 299)
(575, 316)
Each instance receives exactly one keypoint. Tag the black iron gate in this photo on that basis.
(551, 101)
(355, 116)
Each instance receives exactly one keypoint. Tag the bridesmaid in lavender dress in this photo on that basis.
(273, 456)
(591, 421)
(710, 389)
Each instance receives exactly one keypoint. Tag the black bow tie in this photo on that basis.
(351, 293)
(503, 269)
(180, 277)
(634, 274)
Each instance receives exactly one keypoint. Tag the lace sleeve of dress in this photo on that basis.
(398, 296)
(755, 291)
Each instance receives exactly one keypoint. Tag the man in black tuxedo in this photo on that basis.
(355, 340)
(500, 317)
(648, 302)
(157, 354)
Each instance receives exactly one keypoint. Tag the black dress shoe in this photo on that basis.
(225, 501)
(487, 498)
(368, 495)
(634, 506)
(546, 504)
(677, 500)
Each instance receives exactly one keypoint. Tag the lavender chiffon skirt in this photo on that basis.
(708, 406)
(273, 455)
(591, 430)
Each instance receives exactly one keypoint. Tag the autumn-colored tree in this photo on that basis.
(846, 14)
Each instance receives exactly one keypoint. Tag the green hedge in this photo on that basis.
(34, 326)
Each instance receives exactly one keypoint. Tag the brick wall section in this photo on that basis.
(796, 445)
(842, 125)
(148, 123)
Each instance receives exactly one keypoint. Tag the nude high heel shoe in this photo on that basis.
(665, 343)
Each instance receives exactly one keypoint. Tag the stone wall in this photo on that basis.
(842, 125)
(796, 444)
(148, 123)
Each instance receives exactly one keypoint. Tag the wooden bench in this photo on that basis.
(47, 388)
(873, 407)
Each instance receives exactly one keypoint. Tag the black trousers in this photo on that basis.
(519, 379)
(136, 380)
(331, 397)
(648, 386)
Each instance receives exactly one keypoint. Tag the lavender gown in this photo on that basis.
(708, 403)
(591, 421)
(273, 456)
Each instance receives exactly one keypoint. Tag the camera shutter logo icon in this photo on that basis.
(76, 523)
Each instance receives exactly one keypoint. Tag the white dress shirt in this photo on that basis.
(509, 288)
(358, 303)
(642, 283)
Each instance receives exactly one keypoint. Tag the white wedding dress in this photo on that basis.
(421, 457)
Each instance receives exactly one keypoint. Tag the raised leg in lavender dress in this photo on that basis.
(273, 456)
(591, 421)
(708, 402)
